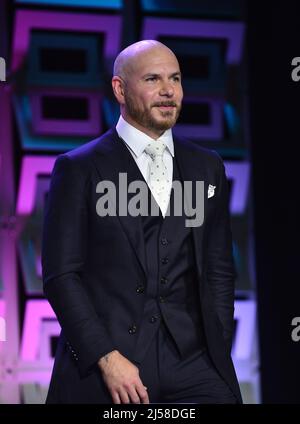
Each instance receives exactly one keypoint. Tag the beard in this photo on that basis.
(147, 120)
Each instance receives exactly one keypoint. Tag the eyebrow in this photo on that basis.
(178, 73)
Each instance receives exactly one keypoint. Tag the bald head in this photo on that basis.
(128, 58)
(147, 85)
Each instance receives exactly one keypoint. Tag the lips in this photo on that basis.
(167, 104)
(166, 107)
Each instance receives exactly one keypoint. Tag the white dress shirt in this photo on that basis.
(136, 141)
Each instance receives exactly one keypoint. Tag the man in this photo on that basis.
(144, 301)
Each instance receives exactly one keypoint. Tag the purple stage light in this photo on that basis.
(27, 20)
(232, 32)
(213, 130)
(239, 172)
(91, 126)
(36, 311)
(31, 167)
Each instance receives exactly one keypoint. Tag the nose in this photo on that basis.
(166, 89)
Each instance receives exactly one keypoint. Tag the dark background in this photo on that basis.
(273, 41)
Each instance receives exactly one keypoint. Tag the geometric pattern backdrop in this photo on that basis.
(61, 57)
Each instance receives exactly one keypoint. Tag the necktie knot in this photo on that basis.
(154, 149)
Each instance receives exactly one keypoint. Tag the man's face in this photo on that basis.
(153, 92)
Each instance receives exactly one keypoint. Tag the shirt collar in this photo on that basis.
(138, 140)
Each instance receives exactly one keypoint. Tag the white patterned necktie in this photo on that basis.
(159, 180)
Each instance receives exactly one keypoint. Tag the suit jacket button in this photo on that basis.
(153, 319)
(140, 289)
(161, 299)
(132, 329)
(163, 280)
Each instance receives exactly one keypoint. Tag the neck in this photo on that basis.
(151, 132)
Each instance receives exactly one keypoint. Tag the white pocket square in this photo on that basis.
(211, 191)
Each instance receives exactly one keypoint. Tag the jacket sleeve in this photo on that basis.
(63, 258)
(219, 259)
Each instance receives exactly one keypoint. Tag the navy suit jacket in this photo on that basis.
(93, 265)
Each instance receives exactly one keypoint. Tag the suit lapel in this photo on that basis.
(112, 158)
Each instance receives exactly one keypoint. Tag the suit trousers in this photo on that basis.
(171, 379)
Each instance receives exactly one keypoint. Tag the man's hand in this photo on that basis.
(122, 379)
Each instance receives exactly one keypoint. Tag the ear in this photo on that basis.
(118, 89)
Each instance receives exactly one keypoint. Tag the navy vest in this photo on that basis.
(171, 292)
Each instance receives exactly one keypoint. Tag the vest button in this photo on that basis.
(132, 329)
(140, 289)
(163, 280)
(164, 241)
(153, 319)
(164, 261)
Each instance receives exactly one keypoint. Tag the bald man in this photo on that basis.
(145, 301)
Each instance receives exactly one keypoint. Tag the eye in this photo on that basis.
(151, 79)
(176, 78)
